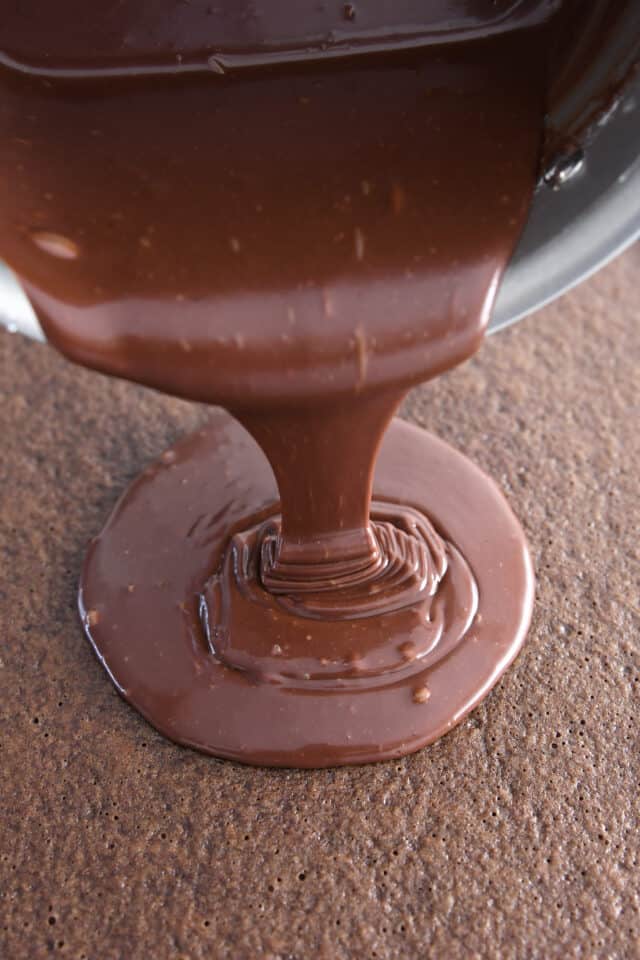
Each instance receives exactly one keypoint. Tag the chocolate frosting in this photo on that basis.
(295, 211)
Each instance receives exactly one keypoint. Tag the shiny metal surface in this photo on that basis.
(15, 311)
(577, 228)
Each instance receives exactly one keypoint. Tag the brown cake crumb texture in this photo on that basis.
(515, 836)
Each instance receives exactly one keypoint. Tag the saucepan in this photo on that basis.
(586, 208)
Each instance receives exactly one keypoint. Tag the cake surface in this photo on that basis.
(514, 836)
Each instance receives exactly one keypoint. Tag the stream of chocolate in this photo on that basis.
(296, 211)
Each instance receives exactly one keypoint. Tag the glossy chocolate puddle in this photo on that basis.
(299, 238)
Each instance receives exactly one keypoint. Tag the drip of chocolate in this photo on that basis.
(297, 212)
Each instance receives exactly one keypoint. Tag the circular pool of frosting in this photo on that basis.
(276, 687)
